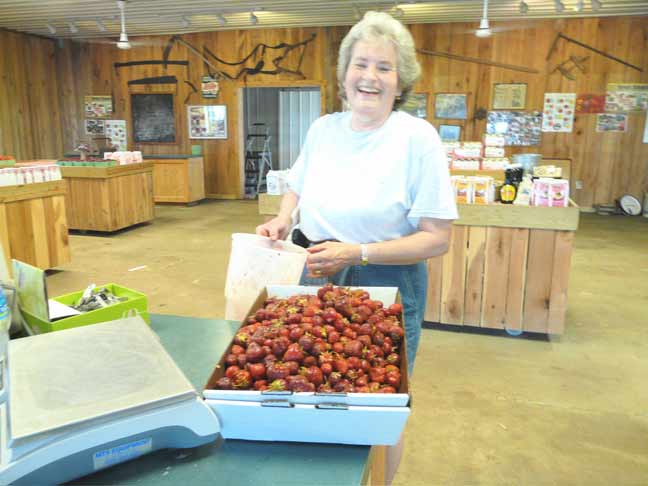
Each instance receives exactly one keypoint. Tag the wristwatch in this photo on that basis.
(364, 255)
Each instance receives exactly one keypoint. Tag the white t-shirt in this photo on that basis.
(370, 186)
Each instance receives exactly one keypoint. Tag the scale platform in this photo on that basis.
(87, 398)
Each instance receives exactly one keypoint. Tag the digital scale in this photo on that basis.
(83, 399)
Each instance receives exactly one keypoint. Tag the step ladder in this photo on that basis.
(258, 159)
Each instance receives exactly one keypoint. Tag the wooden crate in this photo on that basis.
(33, 224)
(109, 198)
(179, 180)
(507, 268)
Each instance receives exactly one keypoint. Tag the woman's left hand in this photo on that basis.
(330, 257)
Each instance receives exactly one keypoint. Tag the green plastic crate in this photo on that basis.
(136, 302)
(7, 163)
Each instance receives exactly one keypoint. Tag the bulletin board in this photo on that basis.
(153, 118)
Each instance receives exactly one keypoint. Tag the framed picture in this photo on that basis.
(450, 133)
(509, 96)
(97, 106)
(517, 127)
(451, 106)
(416, 105)
(94, 127)
(611, 122)
(209, 87)
(207, 121)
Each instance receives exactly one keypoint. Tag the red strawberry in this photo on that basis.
(278, 370)
(257, 370)
(231, 359)
(236, 349)
(224, 383)
(377, 374)
(395, 309)
(313, 374)
(241, 379)
(260, 385)
(341, 365)
(254, 353)
(294, 353)
(393, 378)
(326, 368)
(229, 372)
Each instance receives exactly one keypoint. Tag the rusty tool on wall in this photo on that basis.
(256, 54)
(559, 36)
(567, 67)
(476, 60)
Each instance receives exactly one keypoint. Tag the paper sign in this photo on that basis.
(558, 112)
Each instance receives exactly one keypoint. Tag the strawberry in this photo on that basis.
(229, 372)
(224, 383)
(241, 379)
(254, 353)
(294, 353)
(257, 370)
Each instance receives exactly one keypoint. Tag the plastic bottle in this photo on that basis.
(5, 323)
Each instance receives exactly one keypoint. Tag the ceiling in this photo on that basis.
(149, 17)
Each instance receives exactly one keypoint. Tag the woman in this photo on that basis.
(372, 184)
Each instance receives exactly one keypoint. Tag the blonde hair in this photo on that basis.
(379, 25)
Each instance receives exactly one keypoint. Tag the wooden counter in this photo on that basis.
(109, 198)
(180, 180)
(33, 224)
(507, 267)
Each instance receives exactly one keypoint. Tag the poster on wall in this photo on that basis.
(207, 121)
(611, 122)
(116, 132)
(590, 103)
(450, 133)
(517, 127)
(451, 106)
(509, 96)
(626, 97)
(416, 105)
(209, 87)
(94, 127)
(98, 106)
(558, 112)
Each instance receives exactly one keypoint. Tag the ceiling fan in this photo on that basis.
(485, 30)
(123, 42)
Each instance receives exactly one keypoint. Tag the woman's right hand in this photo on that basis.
(275, 229)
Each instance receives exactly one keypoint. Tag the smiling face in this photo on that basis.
(371, 83)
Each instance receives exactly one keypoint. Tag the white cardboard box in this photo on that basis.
(341, 418)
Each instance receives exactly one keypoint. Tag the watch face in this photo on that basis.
(630, 205)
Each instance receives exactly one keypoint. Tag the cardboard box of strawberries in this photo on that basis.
(315, 364)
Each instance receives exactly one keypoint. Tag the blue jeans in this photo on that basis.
(411, 281)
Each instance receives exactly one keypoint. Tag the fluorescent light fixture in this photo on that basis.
(73, 28)
(221, 19)
(253, 19)
(101, 26)
(524, 8)
(51, 28)
(596, 5)
(560, 7)
(123, 41)
(184, 21)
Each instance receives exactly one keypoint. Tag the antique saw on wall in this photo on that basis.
(256, 55)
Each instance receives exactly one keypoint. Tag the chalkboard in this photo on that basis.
(153, 118)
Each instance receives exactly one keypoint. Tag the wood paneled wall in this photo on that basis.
(30, 108)
(89, 69)
(608, 164)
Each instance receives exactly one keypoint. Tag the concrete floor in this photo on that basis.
(487, 409)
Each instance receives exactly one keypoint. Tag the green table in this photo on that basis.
(196, 346)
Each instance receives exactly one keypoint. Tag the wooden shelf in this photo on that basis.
(109, 198)
(179, 180)
(33, 224)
